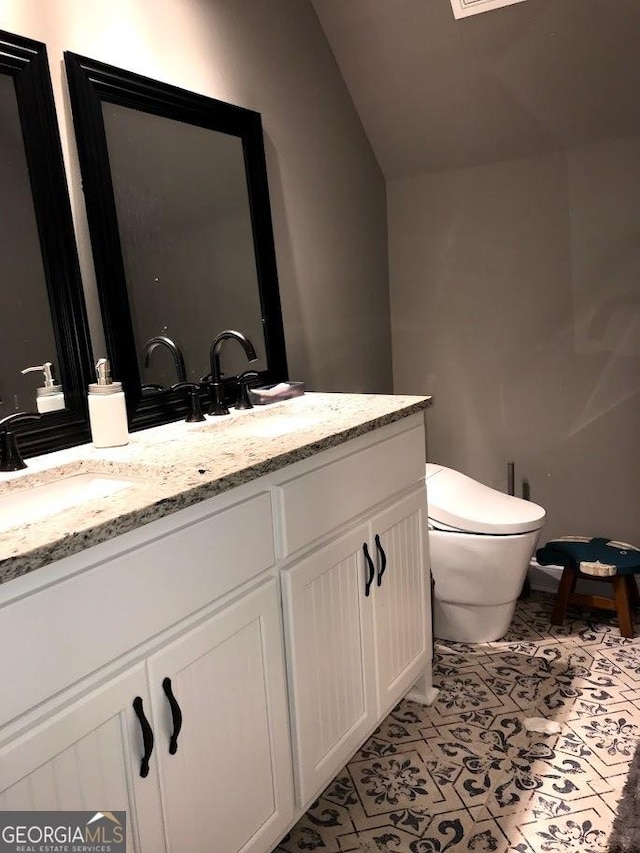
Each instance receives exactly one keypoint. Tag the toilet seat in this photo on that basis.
(460, 504)
(434, 524)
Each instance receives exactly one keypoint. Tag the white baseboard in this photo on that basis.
(547, 579)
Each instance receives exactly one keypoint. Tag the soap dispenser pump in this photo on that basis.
(107, 409)
(49, 397)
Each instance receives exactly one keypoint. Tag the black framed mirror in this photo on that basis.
(177, 201)
(42, 310)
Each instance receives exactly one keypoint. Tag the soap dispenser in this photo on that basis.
(49, 397)
(107, 409)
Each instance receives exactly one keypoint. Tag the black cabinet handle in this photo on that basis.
(147, 736)
(371, 567)
(383, 559)
(176, 714)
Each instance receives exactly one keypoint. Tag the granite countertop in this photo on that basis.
(179, 464)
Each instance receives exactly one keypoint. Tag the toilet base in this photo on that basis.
(478, 578)
(471, 623)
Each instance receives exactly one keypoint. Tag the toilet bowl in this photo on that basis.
(480, 541)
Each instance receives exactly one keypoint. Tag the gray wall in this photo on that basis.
(515, 301)
(327, 191)
(510, 144)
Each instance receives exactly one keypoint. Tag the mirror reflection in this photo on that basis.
(25, 315)
(45, 359)
(175, 185)
(183, 214)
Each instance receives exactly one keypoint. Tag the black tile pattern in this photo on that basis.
(465, 775)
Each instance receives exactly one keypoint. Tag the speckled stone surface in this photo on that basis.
(175, 466)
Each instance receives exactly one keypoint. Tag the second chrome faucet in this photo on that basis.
(216, 387)
(174, 349)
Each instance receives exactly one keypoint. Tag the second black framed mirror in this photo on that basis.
(178, 207)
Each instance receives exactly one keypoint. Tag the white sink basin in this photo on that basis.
(240, 425)
(24, 506)
(271, 427)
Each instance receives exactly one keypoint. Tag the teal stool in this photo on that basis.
(599, 559)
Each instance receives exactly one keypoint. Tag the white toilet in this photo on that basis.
(481, 541)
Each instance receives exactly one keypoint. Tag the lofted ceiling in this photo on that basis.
(434, 93)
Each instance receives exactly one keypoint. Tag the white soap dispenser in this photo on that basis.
(49, 397)
(107, 409)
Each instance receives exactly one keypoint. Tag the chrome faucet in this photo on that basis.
(218, 405)
(10, 456)
(174, 349)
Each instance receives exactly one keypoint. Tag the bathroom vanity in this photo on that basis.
(207, 647)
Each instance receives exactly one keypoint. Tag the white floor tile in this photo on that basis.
(465, 775)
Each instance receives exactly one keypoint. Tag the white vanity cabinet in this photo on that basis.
(253, 630)
(227, 786)
(400, 600)
(331, 661)
(87, 756)
(357, 606)
(193, 599)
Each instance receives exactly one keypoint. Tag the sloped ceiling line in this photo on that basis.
(438, 94)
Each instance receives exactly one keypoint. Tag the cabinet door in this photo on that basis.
(401, 613)
(87, 758)
(329, 638)
(228, 787)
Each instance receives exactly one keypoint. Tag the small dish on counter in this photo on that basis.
(275, 393)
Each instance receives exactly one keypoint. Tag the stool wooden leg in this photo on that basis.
(565, 590)
(623, 606)
(634, 595)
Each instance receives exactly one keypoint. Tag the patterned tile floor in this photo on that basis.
(465, 775)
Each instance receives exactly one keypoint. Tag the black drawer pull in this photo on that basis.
(383, 559)
(372, 570)
(147, 736)
(176, 715)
